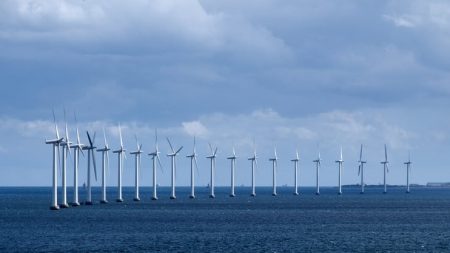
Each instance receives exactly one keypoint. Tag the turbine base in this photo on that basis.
(274, 194)
(104, 201)
(212, 196)
(317, 193)
(64, 206)
(119, 200)
(137, 199)
(361, 193)
(154, 198)
(295, 193)
(88, 203)
(232, 195)
(74, 204)
(253, 194)
(192, 197)
(54, 208)
(408, 192)
(173, 197)
(384, 192)
(339, 193)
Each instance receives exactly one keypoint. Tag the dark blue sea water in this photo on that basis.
(373, 222)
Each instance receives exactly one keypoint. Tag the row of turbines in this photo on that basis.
(65, 145)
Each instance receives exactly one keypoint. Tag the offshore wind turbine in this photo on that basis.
(340, 162)
(121, 154)
(65, 149)
(91, 154)
(212, 157)
(193, 158)
(56, 143)
(137, 162)
(385, 168)
(361, 169)
(295, 160)
(317, 162)
(105, 164)
(155, 157)
(233, 164)
(173, 163)
(274, 172)
(77, 148)
(408, 169)
(253, 159)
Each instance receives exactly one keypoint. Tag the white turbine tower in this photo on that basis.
(233, 164)
(385, 168)
(212, 157)
(173, 163)
(137, 162)
(121, 154)
(91, 154)
(340, 162)
(253, 159)
(77, 148)
(105, 164)
(295, 160)
(55, 142)
(408, 170)
(317, 161)
(361, 169)
(193, 158)
(65, 150)
(274, 172)
(155, 157)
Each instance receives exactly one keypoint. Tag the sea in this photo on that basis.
(352, 222)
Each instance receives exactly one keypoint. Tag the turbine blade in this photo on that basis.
(196, 166)
(179, 150)
(385, 153)
(104, 137)
(341, 153)
(160, 165)
(94, 163)
(170, 144)
(360, 153)
(210, 147)
(215, 152)
(234, 152)
(89, 138)
(359, 170)
(137, 143)
(120, 135)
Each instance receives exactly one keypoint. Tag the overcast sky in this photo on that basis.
(306, 75)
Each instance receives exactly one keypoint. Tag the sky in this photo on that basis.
(310, 76)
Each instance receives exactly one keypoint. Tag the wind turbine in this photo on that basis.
(172, 156)
(66, 149)
(274, 172)
(233, 164)
(120, 154)
(193, 157)
(77, 148)
(408, 169)
(317, 161)
(91, 154)
(105, 160)
(56, 143)
(253, 159)
(155, 157)
(137, 160)
(361, 169)
(340, 162)
(385, 168)
(295, 160)
(212, 157)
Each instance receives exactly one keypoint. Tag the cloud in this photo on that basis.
(195, 128)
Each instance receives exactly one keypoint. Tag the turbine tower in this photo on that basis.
(173, 163)
(105, 164)
(361, 169)
(121, 154)
(91, 154)
(193, 157)
(66, 149)
(56, 143)
(212, 157)
(317, 161)
(274, 172)
(137, 162)
(155, 157)
(408, 170)
(340, 162)
(233, 164)
(385, 168)
(295, 160)
(77, 148)
(253, 159)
